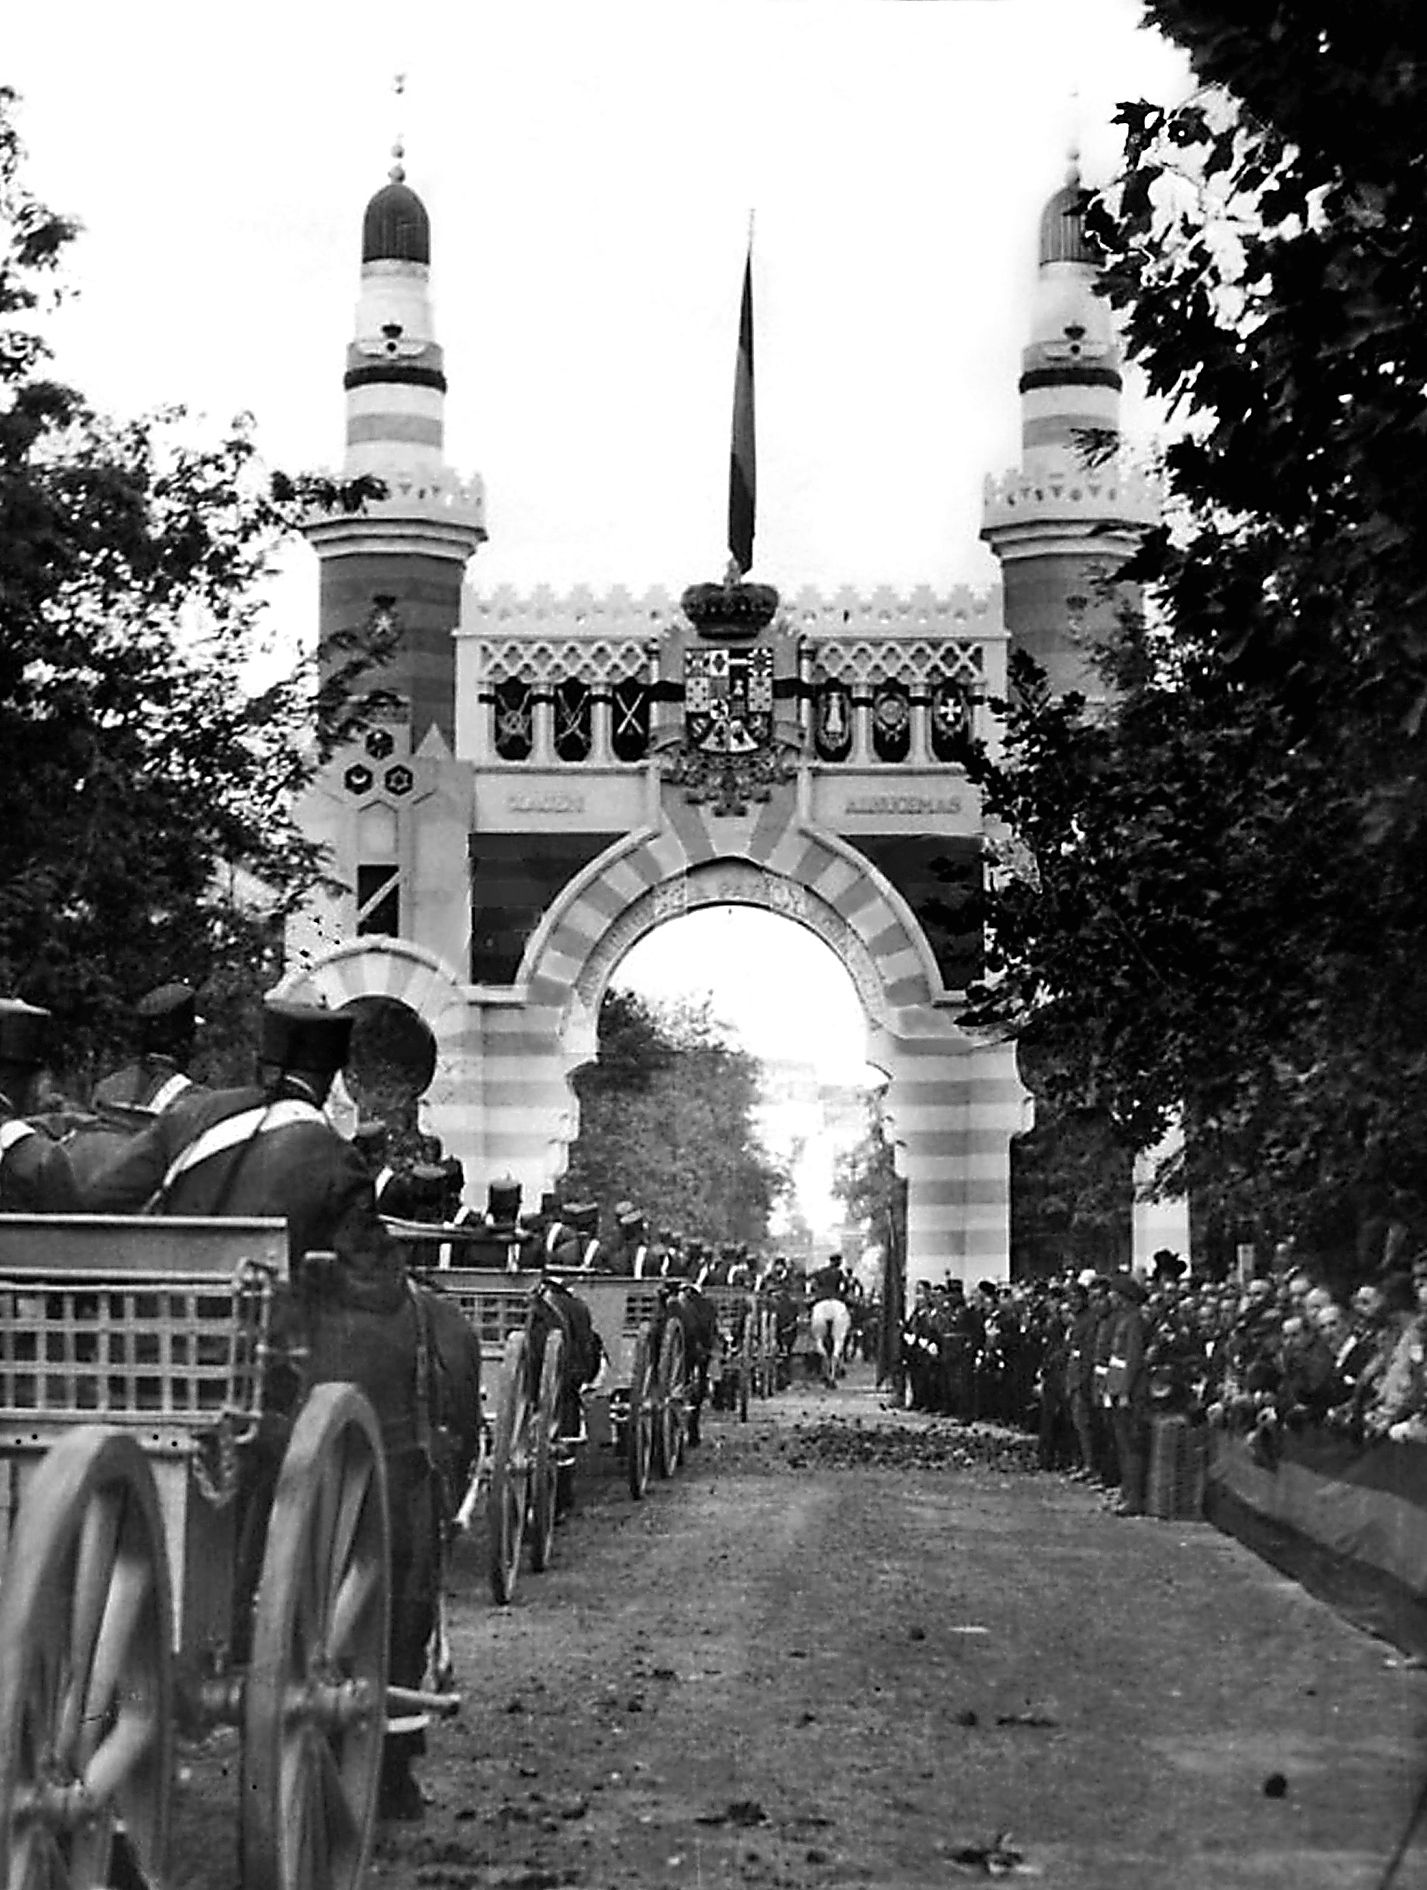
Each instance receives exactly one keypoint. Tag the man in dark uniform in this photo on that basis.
(1127, 1389)
(35, 1175)
(955, 1343)
(633, 1255)
(270, 1150)
(167, 1022)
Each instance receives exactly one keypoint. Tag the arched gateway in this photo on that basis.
(562, 775)
(497, 893)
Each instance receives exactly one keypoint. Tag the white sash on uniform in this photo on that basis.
(12, 1133)
(285, 1113)
(168, 1092)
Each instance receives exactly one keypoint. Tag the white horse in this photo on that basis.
(830, 1326)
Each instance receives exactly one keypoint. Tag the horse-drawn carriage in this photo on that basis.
(638, 1406)
(145, 1366)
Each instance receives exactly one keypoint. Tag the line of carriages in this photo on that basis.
(155, 1587)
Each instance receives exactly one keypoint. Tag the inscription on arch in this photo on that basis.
(733, 883)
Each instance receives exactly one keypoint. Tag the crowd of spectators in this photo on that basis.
(1084, 1360)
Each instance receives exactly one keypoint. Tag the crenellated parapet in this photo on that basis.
(414, 496)
(961, 612)
(1114, 495)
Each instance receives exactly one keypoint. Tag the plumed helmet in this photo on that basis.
(24, 1032)
(305, 1037)
(167, 1015)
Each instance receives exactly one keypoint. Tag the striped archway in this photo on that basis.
(383, 967)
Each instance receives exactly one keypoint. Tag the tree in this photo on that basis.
(1218, 905)
(668, 1120)
(147, 783)
(866, 1182)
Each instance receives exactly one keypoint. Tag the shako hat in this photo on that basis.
(503, 1200)
(583, 1216)
(627, 1214)
(305, 1036)
(24, 1031)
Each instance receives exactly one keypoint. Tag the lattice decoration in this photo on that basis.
(918, 663)
(493, 1309)
(547, 661)
(180, 1353)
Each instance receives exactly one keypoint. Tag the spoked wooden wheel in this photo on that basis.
(639, 1429)
(545, 1467)
(510, 1472)
(86, 1685)
(314, 1707)
(673, 1396)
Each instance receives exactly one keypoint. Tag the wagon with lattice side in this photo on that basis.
(638, 1409)
(748, 1367)
(192, 1537)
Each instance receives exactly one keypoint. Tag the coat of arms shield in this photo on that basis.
(728, 700)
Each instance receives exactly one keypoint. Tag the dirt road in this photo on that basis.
(821, 1657)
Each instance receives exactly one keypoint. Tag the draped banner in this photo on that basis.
(1347, 1520)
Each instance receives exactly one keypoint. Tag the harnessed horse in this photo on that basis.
(830, 1327)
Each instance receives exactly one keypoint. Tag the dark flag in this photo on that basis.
(742, 467)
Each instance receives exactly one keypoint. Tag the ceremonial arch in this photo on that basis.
(561, 774)
(496, 889)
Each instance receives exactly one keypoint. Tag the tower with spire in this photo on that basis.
(1072, 510)
(404, 557)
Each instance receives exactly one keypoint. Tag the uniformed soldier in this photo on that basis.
(1127, 1389)
(633, 1254)
(270, 1150)
(167, 1023)
(35, 1175)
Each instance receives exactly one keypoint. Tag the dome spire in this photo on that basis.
(397, 172)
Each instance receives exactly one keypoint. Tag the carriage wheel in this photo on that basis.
(510, 1472)
(545, 1472)
(86, 1683)
(673, 1393)
(314, 1707)
(639, 1429)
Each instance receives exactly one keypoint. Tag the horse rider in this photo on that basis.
(269, 1149)
(166, 1021)
(35, 1175)
(831, 1321)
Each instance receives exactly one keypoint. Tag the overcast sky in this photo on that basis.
(590, 167)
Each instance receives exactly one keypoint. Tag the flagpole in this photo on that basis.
(743, 468)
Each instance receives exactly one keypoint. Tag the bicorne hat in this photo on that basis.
(305, 1037)
(24, 1031)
